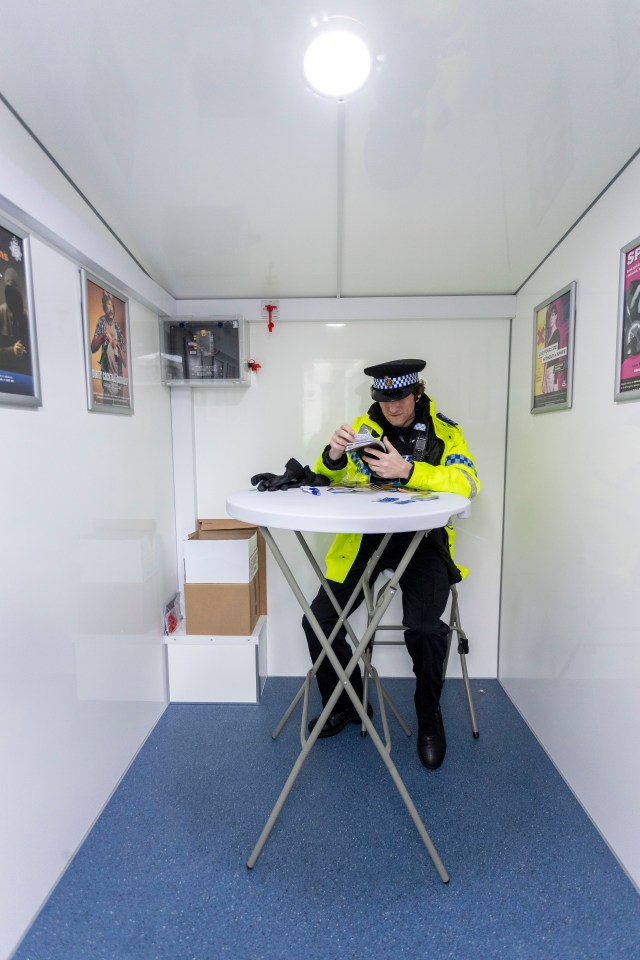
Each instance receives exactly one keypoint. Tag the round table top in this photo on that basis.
(345, 510)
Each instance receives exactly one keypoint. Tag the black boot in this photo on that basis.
(432, 743)
(338, 720)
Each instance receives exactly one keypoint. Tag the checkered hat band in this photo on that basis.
(394, 383)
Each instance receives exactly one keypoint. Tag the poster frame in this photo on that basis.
(91, 317)
(545, 401)
(628, 308)
(15, 252)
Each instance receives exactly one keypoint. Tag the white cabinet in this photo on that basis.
(217, 669)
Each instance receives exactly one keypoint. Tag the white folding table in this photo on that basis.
(340, 510)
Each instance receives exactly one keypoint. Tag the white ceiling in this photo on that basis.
(488, 129)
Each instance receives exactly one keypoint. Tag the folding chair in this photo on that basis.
(455, 626)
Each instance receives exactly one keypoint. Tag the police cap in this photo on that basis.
(394, 379)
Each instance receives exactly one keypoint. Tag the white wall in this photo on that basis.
(311, 381)
(570, 635)
(88, 558)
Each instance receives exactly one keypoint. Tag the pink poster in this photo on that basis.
(629, 325)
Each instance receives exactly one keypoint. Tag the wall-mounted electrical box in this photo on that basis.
(208, 352)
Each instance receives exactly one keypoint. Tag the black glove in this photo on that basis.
(295, 475)
(262, 480)
(272, 481)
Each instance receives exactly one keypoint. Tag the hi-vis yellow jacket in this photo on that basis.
(455, 473)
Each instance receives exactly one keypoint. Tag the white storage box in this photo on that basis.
(221, 552)
(216, 669)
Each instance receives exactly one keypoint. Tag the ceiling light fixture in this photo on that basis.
(337, 63)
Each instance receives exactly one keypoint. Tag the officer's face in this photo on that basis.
(400, 412)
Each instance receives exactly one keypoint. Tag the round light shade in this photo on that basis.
(337, 63)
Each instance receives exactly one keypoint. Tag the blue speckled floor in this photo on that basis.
(344, 874)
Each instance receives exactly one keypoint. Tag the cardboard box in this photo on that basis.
(221, 551)
(221, 608)
(231, 669)
(223, 532)
(225, 587)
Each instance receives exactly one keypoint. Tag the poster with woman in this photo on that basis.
(628, 348)
(19, 373)
(553, 329)
(105, 316)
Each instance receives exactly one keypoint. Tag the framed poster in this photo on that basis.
(105, 315)
(553, 334)
(628, 342)
(19, 371)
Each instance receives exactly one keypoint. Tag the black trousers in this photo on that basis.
(425, 590)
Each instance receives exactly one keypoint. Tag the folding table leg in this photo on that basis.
(344, 683)
(304, 689)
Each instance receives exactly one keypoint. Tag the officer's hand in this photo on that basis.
(342, 436)
(389, 465)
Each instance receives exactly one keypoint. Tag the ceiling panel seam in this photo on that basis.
(72, 183)
(581, 217)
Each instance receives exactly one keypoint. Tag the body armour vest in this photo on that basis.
(415, 442)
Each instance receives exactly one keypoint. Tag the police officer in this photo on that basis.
(424, 451)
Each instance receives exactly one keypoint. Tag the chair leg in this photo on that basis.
(406, 728)
(472, 714)
(370, 670)
(463, 650)
(383, 696)
(365, 686)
